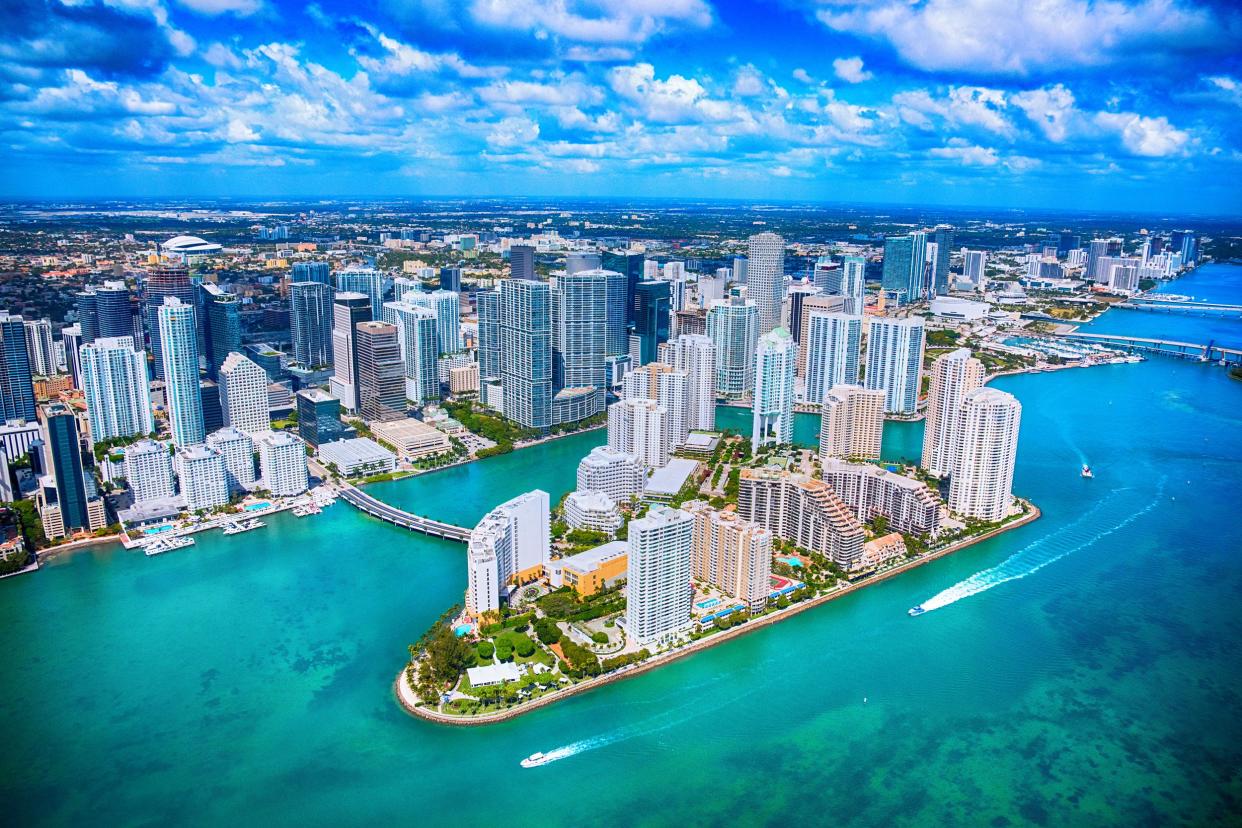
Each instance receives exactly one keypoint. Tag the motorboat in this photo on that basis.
(535, 760)
(238, 528)
(916, 610)
(1086, 471)
(168, 545)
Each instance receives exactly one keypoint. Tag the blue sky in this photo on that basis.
(1128, 104)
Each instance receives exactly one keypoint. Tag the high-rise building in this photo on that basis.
(974, 267)
(834, 342)
(319, 417)
(819, 303)
(487, 303)
(221, 319)
(658, 573)
(848, 282)
(310, 317)
(1096, 249)
(765, 271)
(983, 460)
(667, 387)
(235, 449)
(39, 347)
(450, 279)
(243, 395)
(60, 434)
(731, 554)
(953, 376)
(71, 337)
(179, 356)
(381, 372)
(161, 283)
(203, 481)
(616, 307)
(775, 359)
(149, 470)
(579, 329)
(695, 354)
(629, 265)
(522, 262)
(416, 333)
(905, 265)
(114, 384)
(1185, 242)
(616, 473)
(652, 308)
(446, 306)
(639, 427)
(510, 545)
(526, 352)
(798, 292)
(943, 239)
(213, 414)
(852, 423)
(348, 309)
(895, 361)
(739, 270)
(364, 280)
(802, 510)
(114, 311)
(318, 272)
(282, 459)
(86, 304)
(17, 399)
(733, 327)
(579, 261)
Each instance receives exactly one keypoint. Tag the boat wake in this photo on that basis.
(1048, 550)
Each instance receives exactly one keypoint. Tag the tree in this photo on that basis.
(448, 656)
(547, 631)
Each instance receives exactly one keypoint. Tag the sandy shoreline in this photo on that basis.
(409, 702)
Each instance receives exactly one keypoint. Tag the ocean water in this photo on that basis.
(1081, 670)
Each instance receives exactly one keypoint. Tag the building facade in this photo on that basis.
(895, 362)
(179, 354)
(953, 376)
(983, 460)
(775, 360)
(851, 423)
(116, 390)
(658, 577)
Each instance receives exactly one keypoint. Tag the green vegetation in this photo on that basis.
(564, 605)
(582, 662)
(104, 447)
(547, 631)
(31, 524)
(942, 339)
(504, 433)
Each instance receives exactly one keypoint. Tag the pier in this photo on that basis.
(390, 514)
(1211, 352)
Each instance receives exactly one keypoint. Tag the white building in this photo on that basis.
(446, 306)
(974, 268)
(834, 342)
(658, 574)
(412, 438)
(895, 361)
(149, 470)
(765, 278)
(243, 395)
(959, 310)
(282, 459)
(115, 386)
(775, 363)
(953, 376)
(203, 481)
(41, 347)
(668, 388)
(637, 427)
(695, 354)
(733, 327)
(236, 450)
(357, 455)
(615, 473)
(511, 544)
(592, 510)
(983, 461)
(179, 352)
(852, 423)
(420, 348)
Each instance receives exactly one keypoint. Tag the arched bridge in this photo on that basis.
(1211, 352)
(391, 514)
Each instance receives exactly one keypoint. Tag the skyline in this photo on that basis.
(1072, 104)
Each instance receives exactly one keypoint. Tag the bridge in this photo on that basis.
(398, 517)
(1157, 304)
(1211, 352)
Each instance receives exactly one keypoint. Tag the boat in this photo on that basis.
(168, 545)
(238, 528)
(1086, 471)
(535, 760)
(306, 509)
(916, 610)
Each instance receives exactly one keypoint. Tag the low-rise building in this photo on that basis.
(802, 510)
(908, 504)
(590, 571)
(358, 455)
(883, 550)
(592, 510)
(282, 461)
(411, 438)
(464, 379)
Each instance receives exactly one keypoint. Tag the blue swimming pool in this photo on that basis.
(791, 561)
(155, 530)
(708, 603)
(462, 629)
(254, 507)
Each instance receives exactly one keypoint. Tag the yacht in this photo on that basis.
(238, 528)
(535, 760)
(170, 544)
(1086, 471)
(916, 610)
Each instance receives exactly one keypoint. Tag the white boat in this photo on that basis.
(170, 544)
(306, 509)
(535, 760)
(238, 528)
(1086, 471)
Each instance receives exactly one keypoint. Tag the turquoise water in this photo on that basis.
(1084, 670)
(254, 507)
(791, 561)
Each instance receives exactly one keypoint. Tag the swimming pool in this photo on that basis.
(708, 603)
(155, 530)
(462, 629)
(254, 507)
(791, 561)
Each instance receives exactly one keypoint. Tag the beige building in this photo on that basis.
(464, 379)
(731, 554)
(411, 438)
(852, 423)
(804, 511)
(953, 376)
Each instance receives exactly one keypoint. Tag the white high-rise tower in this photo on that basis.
(895, 361)
(114, 383)
(765, 274)
(983, 462)
(696, 355)
(953, 376)
(774, 390)
(179, 352)
(243, 395)
(832, 354)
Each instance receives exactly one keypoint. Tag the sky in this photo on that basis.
(1080, 104)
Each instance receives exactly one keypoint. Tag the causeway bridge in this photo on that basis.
(406, 520)
(1211, 352)
(1186, 306)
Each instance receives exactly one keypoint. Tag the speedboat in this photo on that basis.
(1086, 471)
(916, 610)
(535, 760)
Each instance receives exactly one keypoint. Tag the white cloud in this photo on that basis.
(964, 106)
(802, 75)
(1052, 109)
(591, 21)
(973, 156)
(513, 132)
(1152, 137)
(241, 8)
(850, 70)
(238, 132)
(748, 82)
(222, 57)
(676, 100)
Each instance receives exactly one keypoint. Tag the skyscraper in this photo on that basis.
(235, 449)
(849, 282)
(282, 459)
(60, 428)
(381, 372)
(348, 309)
(974, 267)
(668, 387)
(114, 384)
(579, 261)
(640, 427)
(179, 358)
(487, 303)
(149, 470)
(798, 292)
(579, 329)
(39, 347)
(652, 306)
(820, 303)
(319, 272)
(114, 311)
(834, 342)
(319, 417)
(88, 314)
(522, 261)
(629, 265)
(71, 337)
(450, 279)
(775, 359)
(616, 289)
(310, 317)
(160, 283)
(983, 460)
(364, 280)
(17, 399)
(204, 484)
(731, 554)
(852, 423)
(953, 376)
(416, 333)
(733, 327)
(658, 575)
(526, 351)
(943, 239)
(895, 361)
(221, 318)
(446, 305)
(243, 395)
(765, 275)
(905, 259)
(511, 544)
(696, 355)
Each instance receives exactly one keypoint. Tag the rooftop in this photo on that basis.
(592, 558)
(667, 480)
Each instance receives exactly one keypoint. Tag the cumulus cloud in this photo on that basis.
(513, 132)
(850, 70)
(974, 106)
(1152, 137)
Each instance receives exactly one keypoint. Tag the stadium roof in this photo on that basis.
(190, 245)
